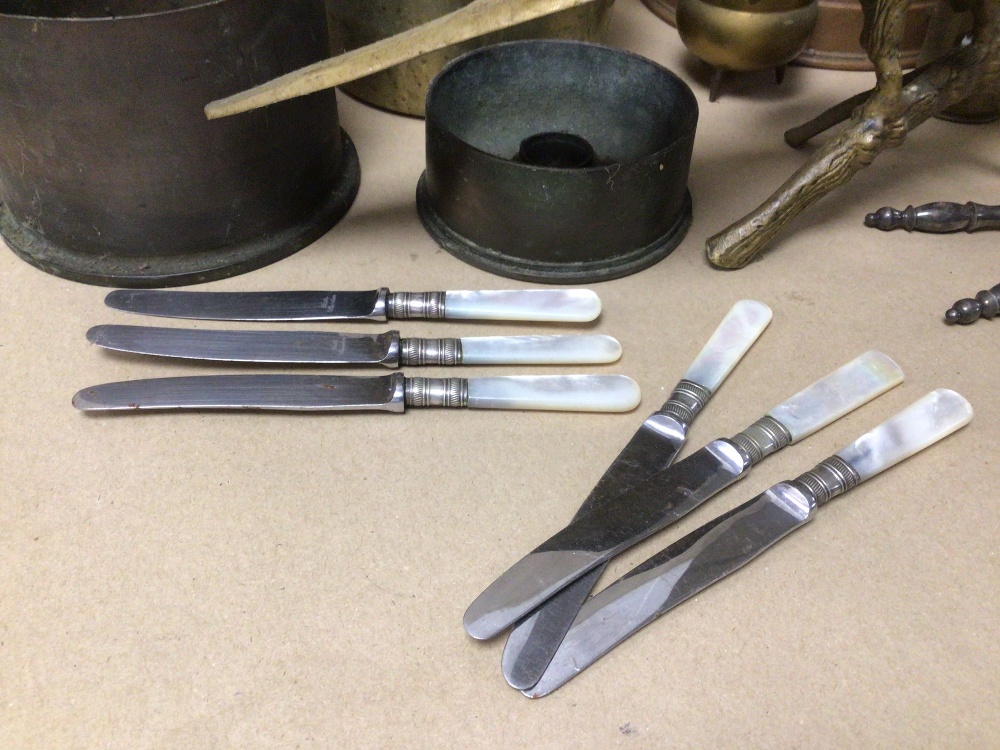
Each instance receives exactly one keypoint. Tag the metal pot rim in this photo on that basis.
(195, 5)
(685, 130)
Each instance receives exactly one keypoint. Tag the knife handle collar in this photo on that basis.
(449, 392)
(686, 401)
(407, 305)
(761, 439)
(828, 479)
(430, 352)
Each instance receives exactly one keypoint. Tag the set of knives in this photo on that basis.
(394, 392)
(557, 629)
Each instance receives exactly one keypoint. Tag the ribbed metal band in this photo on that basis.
(430, 352)
(404, 305)
(762, 438)
(830, 478)
(989, 302)
(687, 399)
(450, 392)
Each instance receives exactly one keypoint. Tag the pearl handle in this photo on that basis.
(601, 393)
(732, 339)
(540, 350)
(553, 305)
(840, 392)
(923, 423)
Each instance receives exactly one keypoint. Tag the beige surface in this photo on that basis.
(213, 580)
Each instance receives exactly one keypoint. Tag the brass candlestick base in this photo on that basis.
(884, 117)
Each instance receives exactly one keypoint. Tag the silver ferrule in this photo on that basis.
(761, 439)
(451, 392)
(830, 478)
(403, 305)
(431, 352)
(379, 310)
(687, 399)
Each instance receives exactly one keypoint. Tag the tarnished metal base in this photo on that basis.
(190, 268)
(524, 269)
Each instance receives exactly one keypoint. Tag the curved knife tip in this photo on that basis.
(533, 693)
(473, 631)
(80, 400)
(95, 333)
(520, 682)
(480, 627)
(117, 298)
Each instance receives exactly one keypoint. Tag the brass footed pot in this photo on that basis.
(403, 88)
(743, 35)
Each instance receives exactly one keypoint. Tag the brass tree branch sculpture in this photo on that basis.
(894, 107)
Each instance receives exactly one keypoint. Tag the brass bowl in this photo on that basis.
(402, 88)
(745, 35)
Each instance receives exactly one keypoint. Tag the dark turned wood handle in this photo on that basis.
(985, 305)
(936, 217)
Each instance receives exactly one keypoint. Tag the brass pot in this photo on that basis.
(356, 23)
(744, 35)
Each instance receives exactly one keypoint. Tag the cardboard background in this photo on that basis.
(251, 580)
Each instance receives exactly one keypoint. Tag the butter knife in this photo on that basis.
(321, 348)
(666, 497)
(393, 392)
(730, 541)
(653, 448)
(555, 305)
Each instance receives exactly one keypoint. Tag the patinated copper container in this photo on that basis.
(110, 172)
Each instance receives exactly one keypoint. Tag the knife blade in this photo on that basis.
(388, 349)
(654, 446)
(727, 543)
(669, 495)
(393, 392)
(554, 305)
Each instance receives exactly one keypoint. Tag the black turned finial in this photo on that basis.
(938, 218)
(888, 218)
(985, 305)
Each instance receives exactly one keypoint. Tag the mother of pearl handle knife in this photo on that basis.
(729, 542)
(653, 448)
(556, 305)
(320, 348)
(602, 393)
(669, 495)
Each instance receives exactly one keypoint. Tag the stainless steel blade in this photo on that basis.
(653, 448)
(683, 569)
(260, 306)
(603, 533)
(534, 641)
(290, 347)
(271, 392)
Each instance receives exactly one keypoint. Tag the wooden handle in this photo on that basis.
(475, 19)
